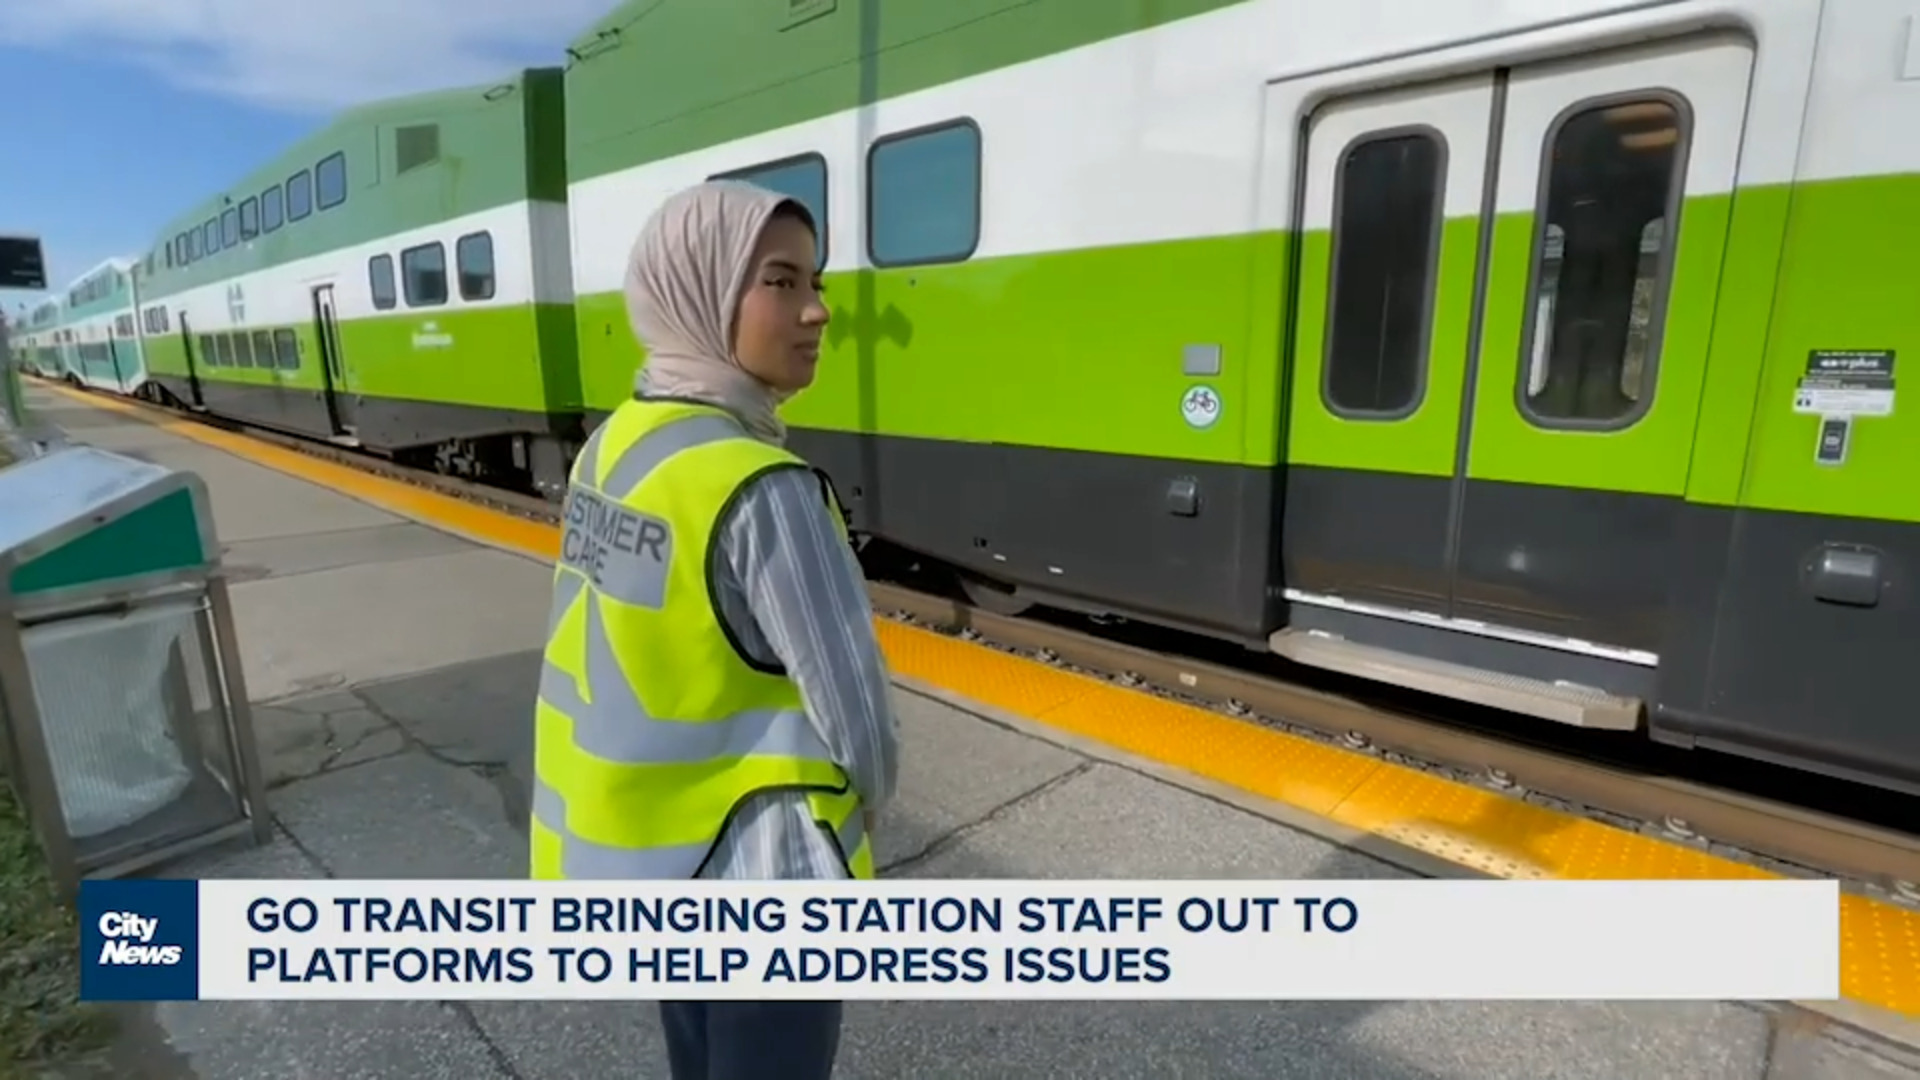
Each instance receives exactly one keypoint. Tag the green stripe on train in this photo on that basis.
(485, 357)
(1039, 350)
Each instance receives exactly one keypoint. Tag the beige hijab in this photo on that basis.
(684, 281)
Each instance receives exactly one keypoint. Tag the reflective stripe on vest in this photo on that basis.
(651, 728)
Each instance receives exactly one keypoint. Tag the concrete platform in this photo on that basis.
(394, 666)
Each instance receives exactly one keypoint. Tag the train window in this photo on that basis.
(223, 345)
(229, 227)
(299, 195)
(287, 349)
(802, 179)
(330, 180)
(192, 241)
(249, 218)
(923, 195)
(1386, 240)
(273, 209)
(1602, 258)
(242, 349)
(423, 272)
(380, 281)
(207, 352)
(211, 235)
(473, 258)
(262, 349)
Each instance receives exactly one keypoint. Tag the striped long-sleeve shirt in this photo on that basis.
(791, 590)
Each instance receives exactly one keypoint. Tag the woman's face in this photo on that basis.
(777, 335)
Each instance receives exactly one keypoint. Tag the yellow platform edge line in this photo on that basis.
(1484, 831)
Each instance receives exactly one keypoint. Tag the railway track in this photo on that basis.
(1783, 835)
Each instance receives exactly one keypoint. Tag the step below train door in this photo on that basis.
(1499, 525)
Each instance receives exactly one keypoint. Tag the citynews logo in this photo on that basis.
(129, 941)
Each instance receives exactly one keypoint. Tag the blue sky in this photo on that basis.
(122, 113)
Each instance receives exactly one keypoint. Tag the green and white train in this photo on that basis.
(86, 335)
(36, 340)
(102, 347)
(1539, 355)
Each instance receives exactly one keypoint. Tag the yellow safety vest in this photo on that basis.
(652, 726)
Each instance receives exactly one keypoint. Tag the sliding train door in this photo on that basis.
(1504, 302)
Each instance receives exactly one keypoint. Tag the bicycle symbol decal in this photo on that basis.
(1200, 407)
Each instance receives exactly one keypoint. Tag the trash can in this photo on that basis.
(123, 709)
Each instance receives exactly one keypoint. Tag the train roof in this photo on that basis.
(351, 130)
(388, 166)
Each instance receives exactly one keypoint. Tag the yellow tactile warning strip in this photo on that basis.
(1484, 830)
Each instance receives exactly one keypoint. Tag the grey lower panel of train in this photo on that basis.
(1769, 642)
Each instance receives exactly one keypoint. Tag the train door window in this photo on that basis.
(473, 258)
(330, 180)
(287, 349)
(223, 344)
(802, 179)
(299, 195)
(273, 209)
(1385, 247)
(923, 195)
(1602, 259)
(380, 282)
(423, 273)
(263, 349)
(249, 218)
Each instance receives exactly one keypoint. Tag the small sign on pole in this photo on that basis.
(23, 264)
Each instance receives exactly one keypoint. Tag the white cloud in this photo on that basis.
(308, 55)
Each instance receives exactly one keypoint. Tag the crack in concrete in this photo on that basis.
(501, 1061)
(515, 805)
(300, 846)
(947, 840)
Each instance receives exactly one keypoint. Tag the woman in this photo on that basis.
(706, 603)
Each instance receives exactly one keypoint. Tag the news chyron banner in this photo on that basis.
(153, 940)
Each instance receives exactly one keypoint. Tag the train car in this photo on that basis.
(34, 337)
(398, 281)
(61, 359)
(1538, 355)
(103, 349)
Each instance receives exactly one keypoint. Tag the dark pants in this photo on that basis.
(751, 1040)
